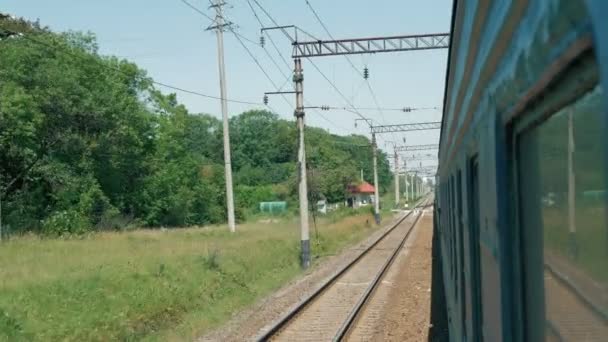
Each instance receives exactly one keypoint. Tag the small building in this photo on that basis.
(360, 195)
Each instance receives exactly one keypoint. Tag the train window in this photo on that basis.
(452, 235)
(454, 231)
(449, 222)
(563, 193)
(474, 249)
(460, 236)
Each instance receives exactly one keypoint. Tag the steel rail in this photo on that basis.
(578, 293)
(354, 314)
(283, 321)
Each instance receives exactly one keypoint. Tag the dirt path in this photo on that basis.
(406, 293)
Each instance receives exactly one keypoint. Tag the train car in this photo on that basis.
(521, 235)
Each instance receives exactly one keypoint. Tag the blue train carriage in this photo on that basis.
(521, 236)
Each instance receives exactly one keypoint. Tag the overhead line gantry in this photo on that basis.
(322, 48)
(355, 46)
(411, 148)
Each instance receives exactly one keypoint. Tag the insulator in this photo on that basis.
(265, 99)
(365, 73)
(262, 41)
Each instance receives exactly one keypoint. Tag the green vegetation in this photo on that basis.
(91, 150)
(89, 144)
(590, 238)
(152, 284)
(587, 248)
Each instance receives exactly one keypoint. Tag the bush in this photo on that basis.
(66, 222)
(96, 207)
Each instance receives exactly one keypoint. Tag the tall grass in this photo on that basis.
(151, 284)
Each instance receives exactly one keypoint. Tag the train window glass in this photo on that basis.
(474, 249)
(449, 222)
(562, 182)
(454, 229)
(460, 235)
(450, 206)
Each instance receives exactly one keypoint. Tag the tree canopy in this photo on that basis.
(87, 142)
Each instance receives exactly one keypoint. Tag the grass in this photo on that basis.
(591, 238)
(152, 284)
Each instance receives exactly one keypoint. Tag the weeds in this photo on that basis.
(149, 284)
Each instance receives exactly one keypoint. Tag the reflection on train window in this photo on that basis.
(563, 190)
(474, 251)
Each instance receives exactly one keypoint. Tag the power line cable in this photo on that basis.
(261, 68)
(240, 40)
(258, 63)
(318, 113)
(314, 65)
(403, 109)
(162, 84)
(314, 12)
(255, 14)
(196, 9)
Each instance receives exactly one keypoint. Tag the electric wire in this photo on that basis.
(404, 109)
(314, 65)
(255, 14)
(162, 84)
(240, 40)
(262, 69)
(318, 113)
(196, 9)
(316, 15)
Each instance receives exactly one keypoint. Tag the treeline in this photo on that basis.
(87, 143)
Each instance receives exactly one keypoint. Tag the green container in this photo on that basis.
(273, 207)
(594, 195)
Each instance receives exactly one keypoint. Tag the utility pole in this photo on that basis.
(412, 186)
(219, 29)
(396, 179)
(407, 197)
(376, 194)
(298, 79)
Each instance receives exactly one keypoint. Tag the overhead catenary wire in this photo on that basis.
(240, 40)
(255, 14)
(318, 113)
(402, 109)
(312, 63)
(262, 69)
(316, 15)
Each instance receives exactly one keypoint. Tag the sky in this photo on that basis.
(170, 41)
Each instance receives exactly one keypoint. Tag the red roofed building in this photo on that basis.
(360, 195)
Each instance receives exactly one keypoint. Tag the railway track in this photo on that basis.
(332, 310)
(571, 315)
